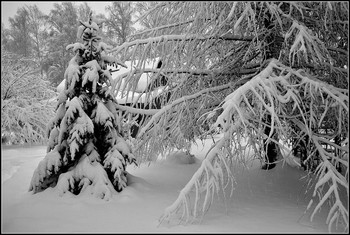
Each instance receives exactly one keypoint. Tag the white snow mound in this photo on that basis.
(181, 157)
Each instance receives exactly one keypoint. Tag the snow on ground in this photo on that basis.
(263, 201)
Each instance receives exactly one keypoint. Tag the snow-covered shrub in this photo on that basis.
(86, 151)
(26, 100)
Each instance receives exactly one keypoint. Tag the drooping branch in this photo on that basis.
(209, 173)
(327, 173)
(271, 91)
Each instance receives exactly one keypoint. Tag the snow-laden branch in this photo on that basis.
(184, 99)
(198, 71)
(165, 38)
(162, 27)
(305, 44)
(161, 4)
(328, 174)
(211, 172)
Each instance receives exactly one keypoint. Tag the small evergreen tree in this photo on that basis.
(86, 151)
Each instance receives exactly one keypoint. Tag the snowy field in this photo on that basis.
(263, 201)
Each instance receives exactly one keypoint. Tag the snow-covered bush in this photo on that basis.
(86, 151)
(26, 100)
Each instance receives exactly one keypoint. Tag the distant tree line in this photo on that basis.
(43, 38)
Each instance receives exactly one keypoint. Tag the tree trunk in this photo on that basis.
(274, 44)
(270, 148)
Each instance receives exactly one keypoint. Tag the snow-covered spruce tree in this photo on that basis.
(86, 152)
(237, 64)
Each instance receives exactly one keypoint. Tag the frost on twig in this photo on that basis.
(282, 93)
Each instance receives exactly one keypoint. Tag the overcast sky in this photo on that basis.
(9, 8)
